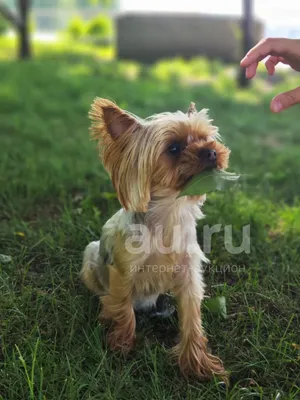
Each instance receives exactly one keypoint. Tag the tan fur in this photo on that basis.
(148, 180)
(117, 307)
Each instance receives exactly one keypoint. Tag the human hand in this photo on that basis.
(286, 51)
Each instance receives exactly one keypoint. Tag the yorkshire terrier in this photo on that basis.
(149, 247)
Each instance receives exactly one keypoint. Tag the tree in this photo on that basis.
(20, 22)
(247, 29)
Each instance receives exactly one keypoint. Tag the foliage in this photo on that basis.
(76, 28)
(100, 26)
(3, 25)
(55, 197)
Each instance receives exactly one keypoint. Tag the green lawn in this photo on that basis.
(55, 197)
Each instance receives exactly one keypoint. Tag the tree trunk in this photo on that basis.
(247, 30)
(23, 30)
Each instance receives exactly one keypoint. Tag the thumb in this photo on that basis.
(285, 100)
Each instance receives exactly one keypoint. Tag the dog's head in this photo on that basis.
(157, 156)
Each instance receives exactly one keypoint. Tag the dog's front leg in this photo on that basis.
(192, 354)
(117, 307)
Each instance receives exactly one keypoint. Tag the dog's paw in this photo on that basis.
(120, 341)
(194, 360)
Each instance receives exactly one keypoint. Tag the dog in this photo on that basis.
(149, 247)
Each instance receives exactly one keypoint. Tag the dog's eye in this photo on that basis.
(174, 149)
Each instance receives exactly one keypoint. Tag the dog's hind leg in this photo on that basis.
(94, 272)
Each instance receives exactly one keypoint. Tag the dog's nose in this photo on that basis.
(208, 155)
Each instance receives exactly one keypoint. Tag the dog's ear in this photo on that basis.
(133, 189)
(192, 109)
(127, 165)
(110, 119)
(132, 172)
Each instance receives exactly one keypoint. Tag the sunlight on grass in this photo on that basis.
(8, 49)
(290, 219)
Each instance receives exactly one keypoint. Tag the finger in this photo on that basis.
(285, 100)
(266, 47)
(271, 63)
(282, 60)
(251, 70)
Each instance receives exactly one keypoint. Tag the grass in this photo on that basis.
(55, 197)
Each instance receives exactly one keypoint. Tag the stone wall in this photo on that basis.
(147, 37)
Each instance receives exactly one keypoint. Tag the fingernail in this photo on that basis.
(277, 106)
(243, 60)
